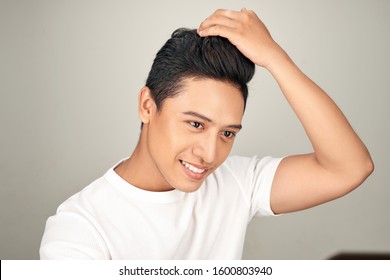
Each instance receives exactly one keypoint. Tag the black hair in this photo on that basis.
(187, 55)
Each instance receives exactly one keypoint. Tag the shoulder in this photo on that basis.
(86, 199)
(244, 166)
(247, 171)
(74, 231)
(250, 178)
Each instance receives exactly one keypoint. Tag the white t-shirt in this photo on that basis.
(111, 219)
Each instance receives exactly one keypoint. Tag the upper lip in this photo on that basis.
(197, 165)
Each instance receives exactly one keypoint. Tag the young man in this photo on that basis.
(179, 195)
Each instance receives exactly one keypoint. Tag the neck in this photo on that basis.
(140, 171)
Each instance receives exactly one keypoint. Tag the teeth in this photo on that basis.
(192, 168)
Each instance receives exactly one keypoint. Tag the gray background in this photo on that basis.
(70, 72)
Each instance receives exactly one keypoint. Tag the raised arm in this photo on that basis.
(340, 161)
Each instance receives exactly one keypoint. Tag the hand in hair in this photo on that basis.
(246, 31)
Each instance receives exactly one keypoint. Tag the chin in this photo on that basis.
(189, 188)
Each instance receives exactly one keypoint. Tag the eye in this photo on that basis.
(196, 124)
(228, 134)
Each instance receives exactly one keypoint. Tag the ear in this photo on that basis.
(146, 105)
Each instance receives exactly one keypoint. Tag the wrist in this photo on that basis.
(276, 59)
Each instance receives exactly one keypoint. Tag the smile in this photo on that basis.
(192, 168)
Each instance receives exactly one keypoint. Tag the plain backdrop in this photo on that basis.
(70, 73)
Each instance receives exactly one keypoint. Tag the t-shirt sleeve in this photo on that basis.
(70, 235)
(255, 176)
(263, 176)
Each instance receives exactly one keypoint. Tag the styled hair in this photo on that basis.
(187, 55)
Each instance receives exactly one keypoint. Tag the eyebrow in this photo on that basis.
(200, 116)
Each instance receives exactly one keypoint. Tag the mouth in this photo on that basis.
(194, 172)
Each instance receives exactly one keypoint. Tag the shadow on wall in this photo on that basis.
(360, 256)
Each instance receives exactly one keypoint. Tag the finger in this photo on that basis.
(216, 20)
(217, 30)
(220, 16)
(226, 18)
(226, 13)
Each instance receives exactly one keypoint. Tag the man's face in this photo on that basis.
(193, 133)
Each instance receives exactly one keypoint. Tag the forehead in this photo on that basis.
(219, 100)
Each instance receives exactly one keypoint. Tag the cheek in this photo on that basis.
(168, 139)
(223, 151)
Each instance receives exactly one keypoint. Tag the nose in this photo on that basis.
(206, 149)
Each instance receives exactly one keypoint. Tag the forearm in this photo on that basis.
(336, 145)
